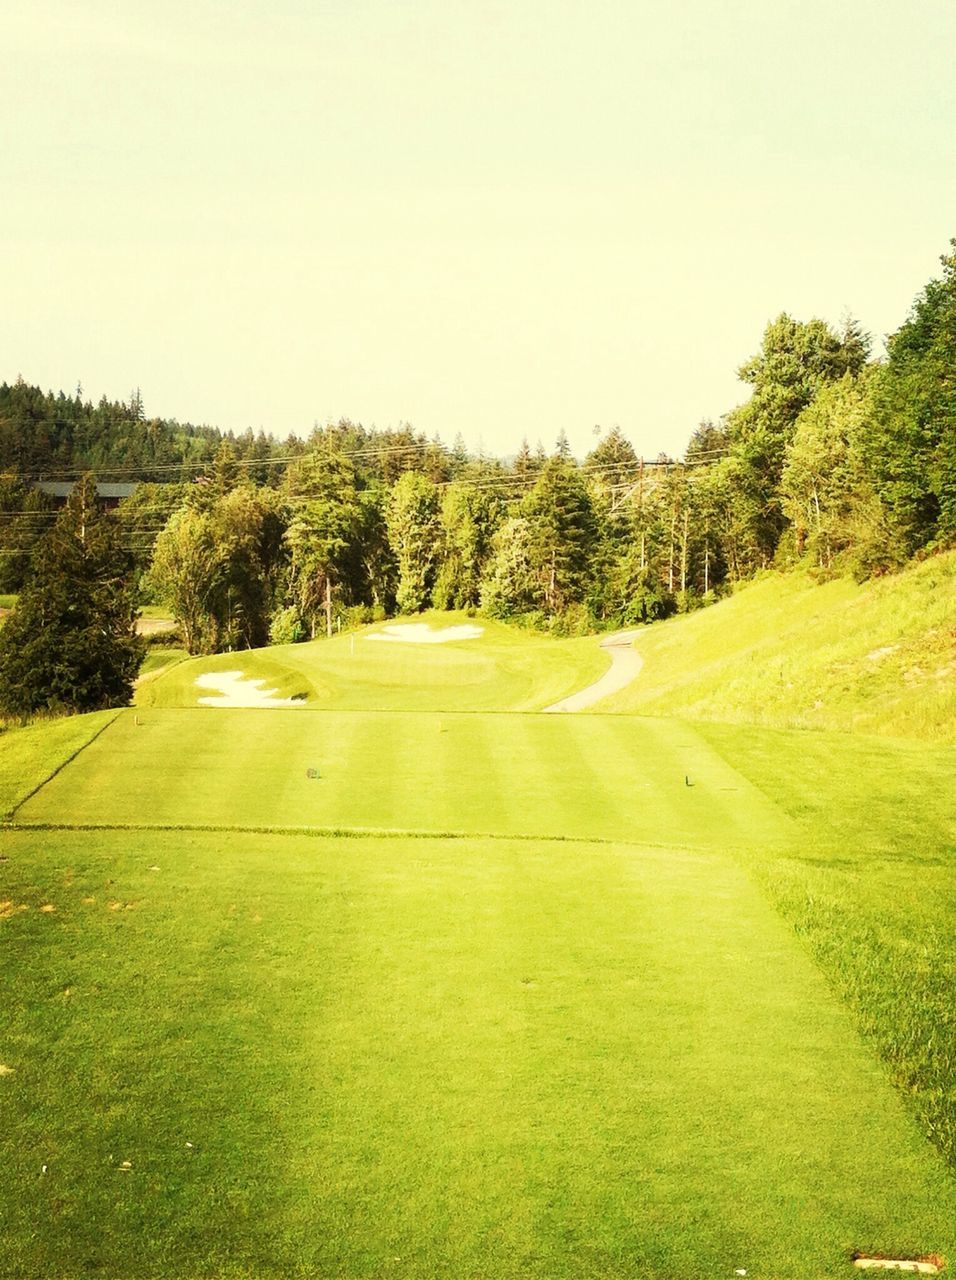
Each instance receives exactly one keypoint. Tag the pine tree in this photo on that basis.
(562, 533)
(70, 643)
(910, 443)
(413, 533)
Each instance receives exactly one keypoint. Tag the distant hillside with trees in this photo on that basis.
(835, 461)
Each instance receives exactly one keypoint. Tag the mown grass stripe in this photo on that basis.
(62, 764)
(345, 832)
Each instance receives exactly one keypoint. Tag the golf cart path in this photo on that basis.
(626, 662)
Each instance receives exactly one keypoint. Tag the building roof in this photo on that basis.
(63, 488)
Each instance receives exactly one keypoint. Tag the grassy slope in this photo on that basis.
(157, 659)
(878, 658)
(505, 669)
(871, 887)
(31, 754)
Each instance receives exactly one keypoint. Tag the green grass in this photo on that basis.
(585, 777)
(871, 889)
(432, 1058)
(550, 996)
(31, 754)
(7, 601)
(785, 652)
(505, 670)
(157, 659)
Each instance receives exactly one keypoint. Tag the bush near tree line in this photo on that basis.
(70, 643)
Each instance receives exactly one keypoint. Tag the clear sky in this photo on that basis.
(503, 218)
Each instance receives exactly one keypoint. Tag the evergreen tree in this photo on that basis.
(25, 515)
(511, 583)
(413, 533)
(562, 530)
(613, 461)
(322, 533)
(70, 644)
(469, 517)
(911, 441)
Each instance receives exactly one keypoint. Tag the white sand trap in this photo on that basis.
(422, 633)
(234, 690)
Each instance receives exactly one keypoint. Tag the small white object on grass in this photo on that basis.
(740, 1271)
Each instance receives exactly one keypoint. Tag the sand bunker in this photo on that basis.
(234, 690)
(422, 633)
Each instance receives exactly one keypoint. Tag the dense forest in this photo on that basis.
(835, 460)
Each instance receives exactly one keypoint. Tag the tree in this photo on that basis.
(526, 465)
(25, 514)
(413, 532)
(70, 644)
(562, 532)
(218, 569)
(248, 525)
(322, 532)
(910, 445)
(709, 442)
(469, 517)
(613, 462)
(824, 479)
(794, 362)
(144, 514)
(374, 550)
(511, 584)
(186, 573)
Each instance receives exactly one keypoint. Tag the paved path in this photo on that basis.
(626, 662)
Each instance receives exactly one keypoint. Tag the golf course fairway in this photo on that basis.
(465, 991)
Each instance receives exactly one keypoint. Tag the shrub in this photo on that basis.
(286, 626)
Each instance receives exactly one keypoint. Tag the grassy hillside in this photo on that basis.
(503, 669)
(877, 658)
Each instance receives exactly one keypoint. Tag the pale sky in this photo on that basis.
(503, 219)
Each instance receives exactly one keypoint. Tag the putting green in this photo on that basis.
(502, 669)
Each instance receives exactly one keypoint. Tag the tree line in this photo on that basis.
(836, 459)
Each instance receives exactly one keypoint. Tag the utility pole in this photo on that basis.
(640, 515)
(328, 606)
